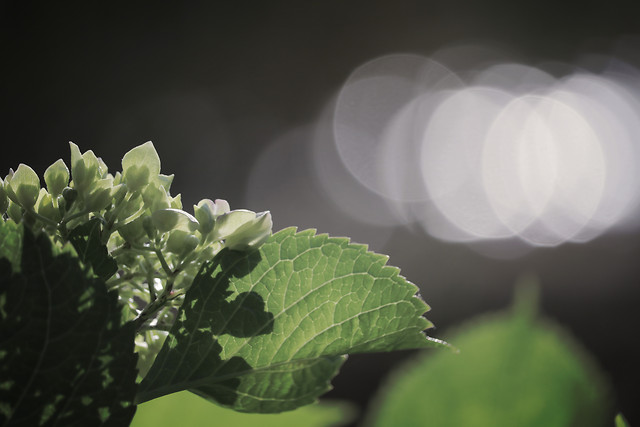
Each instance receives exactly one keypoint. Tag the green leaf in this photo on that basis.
(266, 330)
(65, 359)
(186, 410)
(621, 421)
(140, 165)
(11, 243)
(56, 177)
(86, 240)
(85, 168)
(25, 185)
(512, 370)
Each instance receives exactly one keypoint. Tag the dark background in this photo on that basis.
(212, 84)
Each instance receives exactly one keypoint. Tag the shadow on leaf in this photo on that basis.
(192, 356)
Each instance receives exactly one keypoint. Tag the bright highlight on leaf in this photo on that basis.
(266, 330)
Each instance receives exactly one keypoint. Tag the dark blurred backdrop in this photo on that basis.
(214, 84)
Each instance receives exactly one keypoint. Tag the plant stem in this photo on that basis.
(163, 263)
(42, 218)
(153, 307)
(72, 217)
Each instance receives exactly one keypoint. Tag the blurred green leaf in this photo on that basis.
(65, 359)
(621, 421)
(11, 243)
(186, 409)
(512, 370)
(266, 330)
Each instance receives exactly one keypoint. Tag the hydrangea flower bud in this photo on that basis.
(242, 229)
(171, 219)
(56, 177)
(70, 195)
(155, 197)
(140, 165)
(206, 212)
(100, 196)
(44, 206)
(149, 228)
(85, 169)
(181, 242)
(24, 186)
(133, 232)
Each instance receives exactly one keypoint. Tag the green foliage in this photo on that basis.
(24, 186)
(65, 358)
(512, 370)
(131, 231)
(186, 409)
(11, 243)
(97, 262)
(85, 239)
(283, 316)
(56, 177)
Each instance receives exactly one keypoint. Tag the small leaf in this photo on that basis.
(85, 168)
(44, 206)
(100, 195)
(140, 165)
(65, 358)
(15, 212)
(266, 330)
(155, 197)
(57, 177)
(165, 181)
(86, 240)
(25, 184)
(76, 155)
(176, 202)
(206, 212)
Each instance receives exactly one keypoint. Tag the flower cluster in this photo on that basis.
(158, 246)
